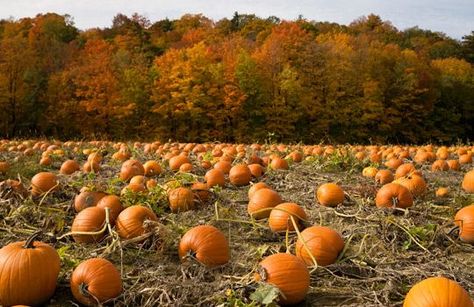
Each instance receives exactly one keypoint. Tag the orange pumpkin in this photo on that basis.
(201, 192)
(28, 273)
(214, 177)
(464, 218)
(43, 182)
(256, 170)
(286, 272)
(453, 165)
(207, 244)
(152, 168)
(384, 176)
(181, 199)
(87, 199)
(4, 167)
(393, 195)
(176, 162)
(330, 194)
(114, 204)
(437, 291)
(240, 175)
(95, 280)
(263, 199)
(369, 171)
(257, 186)
(323, 243)
(280, 221)
(69, 167)
(442, 192)
(90, 219)
(131, 168)
(468, 182)
(439, 165)
(129, 223)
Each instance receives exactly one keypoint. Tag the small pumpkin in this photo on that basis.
(369, 171)
(393, 195)
(263, 199)
(324, 243)
(330, 194)
(207, 244)
(152, 168)
(384, 176)
(406, 169)
(4, 167)
(181, 199)
(414, 183)
(280, 220)
(256, 170)
(43, 182)
(439, 165)
(90, 219)
(201, 192)
(437, 291)
(223, 165)
(442, 192)
(464, 219)
(453, 165)
(95, 280)
(279, 163)
(129, 223)
(176, 162)
(257, 186)
(286, 272)
(28, 272)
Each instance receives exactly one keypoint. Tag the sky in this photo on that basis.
(453, 17)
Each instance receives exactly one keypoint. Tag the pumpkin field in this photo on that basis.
(214, 224)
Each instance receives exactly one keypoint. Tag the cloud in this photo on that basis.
(456, 17)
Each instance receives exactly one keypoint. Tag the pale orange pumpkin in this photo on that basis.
(330, 194)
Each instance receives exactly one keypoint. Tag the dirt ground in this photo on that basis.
(386, 251)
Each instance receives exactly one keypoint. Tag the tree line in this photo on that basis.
(239, 79)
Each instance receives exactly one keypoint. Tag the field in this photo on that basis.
(386, 250)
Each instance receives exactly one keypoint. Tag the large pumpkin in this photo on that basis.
(464, 218)
(324, 243)
(207, 244)
(114, 204)
(95, 281)
(240, 175)
(181, 199)
(28, 273)
(414, 183)
(393, 195)
(129, 223)
(437, 291)
(468, 182)
(286, 272)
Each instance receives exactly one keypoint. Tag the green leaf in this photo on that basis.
(265, 294)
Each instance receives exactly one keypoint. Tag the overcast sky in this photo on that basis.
(453, 17)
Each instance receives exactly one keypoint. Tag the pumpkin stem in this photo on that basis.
(31, 239)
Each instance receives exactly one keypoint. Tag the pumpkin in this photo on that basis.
(369, 171)
(152, 168)
(393, 163)
(114, 204)
(181, 199)
(69, 167)
(131, 168)
(279, 163)
(201, 192)
(442, 192)
(4, 167)
(176, 162)
(28, 272)
(468, 182)
(186, 168)
(256, 170)
(439, 165)
(214, 177)
(90, 219)
(133, 188)
(437, 291)
(406, 169)
(393, 195)
(240, 175)
(280, 221)
(453, 165)
(90, 167)
(330, 194)
(322, 242)
(224, 166)
(207, 244)
(465, 158)
(288, 273)
(129, 223)
(384, 176)
(261, 200)
(95, 280)
(87, 199)
(257, 186)
(45, 161)
(464, 219)
(43, 182)
(414, 183)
